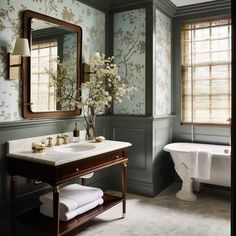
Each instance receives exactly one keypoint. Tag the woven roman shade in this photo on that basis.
(206, 71)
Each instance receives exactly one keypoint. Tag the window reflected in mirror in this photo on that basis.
(43, 55)
(52, 46)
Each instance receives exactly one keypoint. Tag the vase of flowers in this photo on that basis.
(90, 124)
(104, 87)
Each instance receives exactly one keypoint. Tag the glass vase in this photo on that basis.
(90, 126)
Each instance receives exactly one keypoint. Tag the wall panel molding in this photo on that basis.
(134, 186)
(163, 170)
(19, 124)
(102, 5)
(166, 7)
(137, 159)
(203, 8)
(148, 135)
(137, 131)
(9, 125)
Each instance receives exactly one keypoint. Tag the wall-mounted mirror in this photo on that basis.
(53, 43)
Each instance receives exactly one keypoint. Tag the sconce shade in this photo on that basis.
(21, 47)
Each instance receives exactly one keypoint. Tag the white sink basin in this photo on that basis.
(75, 147)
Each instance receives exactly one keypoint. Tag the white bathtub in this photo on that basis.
(220, 172)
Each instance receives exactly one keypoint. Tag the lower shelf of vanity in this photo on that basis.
(37, 224)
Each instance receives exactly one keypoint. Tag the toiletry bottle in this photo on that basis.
(76, 134)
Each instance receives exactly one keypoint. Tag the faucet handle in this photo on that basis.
(58, 140)
(49, 142)
(66, 139)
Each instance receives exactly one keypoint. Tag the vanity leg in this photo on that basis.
(56, 210)
(13, 205)
(124, 171)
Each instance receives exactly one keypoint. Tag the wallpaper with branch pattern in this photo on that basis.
(129, 52)
(91, 20)
(162, 65)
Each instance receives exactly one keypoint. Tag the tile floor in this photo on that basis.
(164, 215)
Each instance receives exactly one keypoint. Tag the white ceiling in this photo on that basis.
(180, 3)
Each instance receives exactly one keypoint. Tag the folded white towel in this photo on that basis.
(201, 164)
(45, 210)
(73, 196)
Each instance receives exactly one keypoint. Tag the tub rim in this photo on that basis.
(225, 147)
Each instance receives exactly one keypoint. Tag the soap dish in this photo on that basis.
(38, 147)
(99, 138)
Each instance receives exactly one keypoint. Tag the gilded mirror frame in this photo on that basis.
(28, 15)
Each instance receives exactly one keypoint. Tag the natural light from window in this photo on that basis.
(206, 71)
(43, 58)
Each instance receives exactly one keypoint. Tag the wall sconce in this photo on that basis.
(15, 61)
(86, 72)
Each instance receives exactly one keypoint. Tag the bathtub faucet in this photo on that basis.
(229, 120)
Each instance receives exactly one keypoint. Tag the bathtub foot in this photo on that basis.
(186, 192)
(186, 196)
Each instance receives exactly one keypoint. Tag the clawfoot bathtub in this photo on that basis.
(219, 169)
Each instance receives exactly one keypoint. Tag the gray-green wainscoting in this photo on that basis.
(150, 169)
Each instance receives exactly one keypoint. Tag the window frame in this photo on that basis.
(194, 21)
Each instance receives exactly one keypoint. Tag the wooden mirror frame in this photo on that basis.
(28, 15)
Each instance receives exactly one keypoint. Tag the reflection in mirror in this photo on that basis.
(54, 44)
(53, 47)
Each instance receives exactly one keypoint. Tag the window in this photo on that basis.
(43, 58)
(206, 71)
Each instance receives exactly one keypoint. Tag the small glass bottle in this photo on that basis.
(76, 134)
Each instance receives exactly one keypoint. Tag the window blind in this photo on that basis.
(206, 71)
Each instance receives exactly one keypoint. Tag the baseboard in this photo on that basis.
(163, 182)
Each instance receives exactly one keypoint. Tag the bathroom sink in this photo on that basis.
(73, 147)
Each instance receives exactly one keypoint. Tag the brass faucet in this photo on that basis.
(49, 142)
(63, 137)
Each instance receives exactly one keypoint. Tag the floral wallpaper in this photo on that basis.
(91, 20)
(129, 52)
(69, 52)
(162, 65)
(69, 47)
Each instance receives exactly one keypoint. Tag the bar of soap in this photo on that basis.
(100, 138)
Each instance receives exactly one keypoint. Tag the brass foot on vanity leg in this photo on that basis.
(124, 215)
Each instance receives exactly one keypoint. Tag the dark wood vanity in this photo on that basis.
(59, 35)
(55, 176)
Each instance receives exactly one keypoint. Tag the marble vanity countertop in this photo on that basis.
(57, 155)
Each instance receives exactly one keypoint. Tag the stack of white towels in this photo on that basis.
(75, 199)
